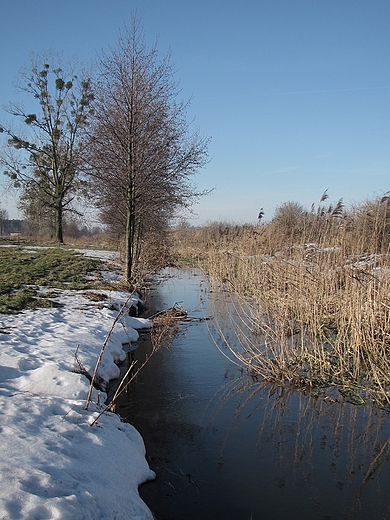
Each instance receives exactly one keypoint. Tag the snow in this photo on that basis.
(53, 463)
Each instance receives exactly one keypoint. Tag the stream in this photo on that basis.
(225, 446)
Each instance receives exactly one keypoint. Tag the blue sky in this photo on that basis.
(295, 94)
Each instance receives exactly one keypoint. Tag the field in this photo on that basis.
(25, 270)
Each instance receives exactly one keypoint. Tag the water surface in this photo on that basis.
(225, 446)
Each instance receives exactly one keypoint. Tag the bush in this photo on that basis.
(289, 219)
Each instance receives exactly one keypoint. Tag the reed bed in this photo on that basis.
(308, 297)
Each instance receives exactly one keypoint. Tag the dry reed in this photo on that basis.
(310, 301)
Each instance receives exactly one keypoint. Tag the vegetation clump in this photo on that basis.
(23, 271)
(308, 294)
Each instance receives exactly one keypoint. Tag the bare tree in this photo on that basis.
(142, 152)
(48, 162)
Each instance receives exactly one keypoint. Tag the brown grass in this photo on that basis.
(310, 298)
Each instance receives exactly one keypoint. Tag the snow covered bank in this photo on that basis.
(53, 464)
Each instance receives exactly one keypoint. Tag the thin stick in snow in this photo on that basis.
(119, 315)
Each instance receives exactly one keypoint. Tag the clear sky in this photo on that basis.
(295, 94)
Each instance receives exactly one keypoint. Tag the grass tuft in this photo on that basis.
(23, 271)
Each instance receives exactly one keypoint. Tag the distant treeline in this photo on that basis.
(11, 226)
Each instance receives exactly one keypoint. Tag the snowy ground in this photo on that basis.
(53, 463)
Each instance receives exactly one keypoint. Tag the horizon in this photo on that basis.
(295, 98)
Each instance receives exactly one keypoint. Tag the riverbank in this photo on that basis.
(53, 463)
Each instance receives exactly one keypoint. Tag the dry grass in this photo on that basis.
(309, 302)
(166, 326)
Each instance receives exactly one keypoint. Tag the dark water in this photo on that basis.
(226, 447)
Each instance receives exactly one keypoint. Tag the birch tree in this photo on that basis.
(142, 152)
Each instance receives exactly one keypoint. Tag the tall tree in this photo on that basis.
(49, 160)
(142, 151)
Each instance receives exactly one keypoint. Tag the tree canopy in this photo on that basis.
(45, 158)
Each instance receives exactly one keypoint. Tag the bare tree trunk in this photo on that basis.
(59, 224)
(129, 259)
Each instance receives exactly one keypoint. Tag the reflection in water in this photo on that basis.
(333, 455)
(225, 446)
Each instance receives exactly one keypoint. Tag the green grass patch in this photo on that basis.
(23, 271)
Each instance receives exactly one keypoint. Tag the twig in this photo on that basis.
(117, 394)
(124, 306)
(118, 390)
(377, 462)
(157, 340)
